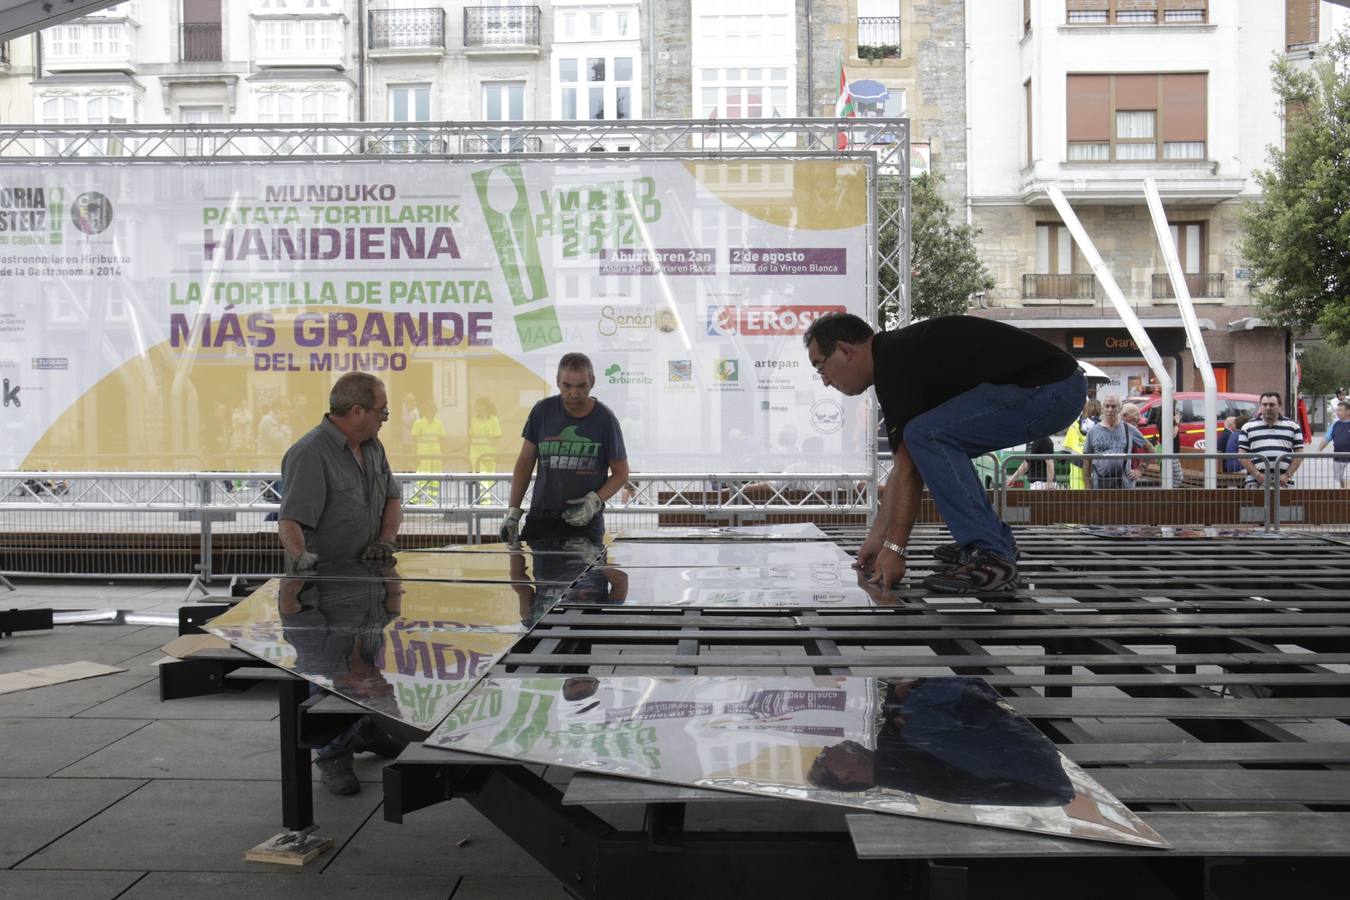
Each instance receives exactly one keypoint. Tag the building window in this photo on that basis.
(410, 103)
(504, 102)
(1137, 118)
(1301, 24)
(743, 93)
(301, 37)
(595, 87)
(1054, 249)
(744, 34)
(98, 109)
(1189, 238)
(1026, 91)
(1134, 12)
(308, 107)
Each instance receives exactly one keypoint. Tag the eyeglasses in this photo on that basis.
(382, 412)
(821, 364)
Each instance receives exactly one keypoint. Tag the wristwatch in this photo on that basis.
(895, 548)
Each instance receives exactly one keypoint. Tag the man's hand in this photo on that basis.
(510, 530)
(888, 570)
(582, 509)
(1260, 477)
(867, 553)
(304, 562)
(1284, 480)
(380, 550)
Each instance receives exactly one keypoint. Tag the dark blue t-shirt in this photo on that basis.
(574, 459)
(1340, 436)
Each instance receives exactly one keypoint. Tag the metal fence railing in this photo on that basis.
(203, 526)
(223, 524)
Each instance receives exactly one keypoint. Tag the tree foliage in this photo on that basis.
(1324, 368)
(1297, 238)
(945, 270)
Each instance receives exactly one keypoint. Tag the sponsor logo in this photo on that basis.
(631, 318)
(51, 362)
(827, 416)
(777, 364)
(727, 370)
(666, 321)
(618, 375)
(91, 212)
(755, 321)
(11, 394)
(679, 371)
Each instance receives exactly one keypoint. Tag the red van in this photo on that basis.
(1192, 405)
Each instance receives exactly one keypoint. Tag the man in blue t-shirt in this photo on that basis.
(578, 445)
(1338, 436)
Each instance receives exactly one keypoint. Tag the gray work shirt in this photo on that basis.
(338, 505)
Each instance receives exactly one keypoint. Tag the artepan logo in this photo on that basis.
(753, 321)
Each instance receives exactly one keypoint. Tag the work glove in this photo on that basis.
(582, 509)
(510, 531)
(305, 562)
(380, 550)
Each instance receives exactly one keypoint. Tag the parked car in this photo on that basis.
(1192, 414)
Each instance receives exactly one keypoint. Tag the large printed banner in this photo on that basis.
(180, 317)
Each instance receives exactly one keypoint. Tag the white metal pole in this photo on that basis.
(1198, 349)
(1123, 308)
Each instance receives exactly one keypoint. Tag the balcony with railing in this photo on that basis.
(1200, 285)
(1059, 288)
(199, 42)
(398, 32)
(96, 46)
(878, 37)
(494, 29)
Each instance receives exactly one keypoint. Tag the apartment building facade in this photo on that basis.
(1095, 96)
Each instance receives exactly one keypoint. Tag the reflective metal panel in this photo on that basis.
(939, 748)
(801, 531)
(409, 650)
(822, 585)
(740, 553)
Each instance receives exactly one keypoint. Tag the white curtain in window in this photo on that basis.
(1081, 152)
(1136, 125)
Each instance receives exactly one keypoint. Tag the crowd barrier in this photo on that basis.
(213, 525)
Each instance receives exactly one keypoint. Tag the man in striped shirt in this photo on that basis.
(1273, 439)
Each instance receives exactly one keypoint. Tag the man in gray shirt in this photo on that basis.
(1113, 435)
(342, 502)
(341, 499)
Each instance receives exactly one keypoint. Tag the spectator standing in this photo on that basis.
(1113, 436)
(1274, 439)
(1338, 436)
(1040, 472)
(1076, 436)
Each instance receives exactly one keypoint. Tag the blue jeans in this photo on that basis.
(987, 417)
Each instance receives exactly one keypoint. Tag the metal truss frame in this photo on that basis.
(885, 139)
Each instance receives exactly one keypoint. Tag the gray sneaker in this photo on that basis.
(342, 782)
(982, 573)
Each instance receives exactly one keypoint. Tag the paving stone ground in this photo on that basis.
(108, 793)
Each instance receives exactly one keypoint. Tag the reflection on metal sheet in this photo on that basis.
(821, 585)
(802, 531)
(630, 554)
(518, 566)
(939, 748)
(407, 650)
(544, 545)
(1173, 532)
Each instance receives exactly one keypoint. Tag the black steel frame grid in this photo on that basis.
(1232, 643)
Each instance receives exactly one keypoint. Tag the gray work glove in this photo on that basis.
(582, 509)
(510, 531)
(305, 562)
(380, 550)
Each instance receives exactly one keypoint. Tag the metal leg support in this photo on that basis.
(297, 792)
